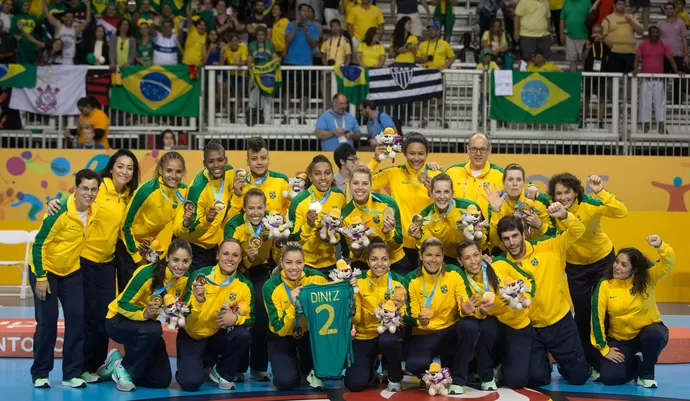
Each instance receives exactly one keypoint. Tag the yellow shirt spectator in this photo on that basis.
(546, 67)
(620, 33)
(362, 19)
(490, 67)
(194, 48)
(371, 55)
(336, 49)
(278, 35)
(534, 18)
(236, 57)
(556, 4)
(683, 16)
(495, 42)
(439, 49)
(409, 56)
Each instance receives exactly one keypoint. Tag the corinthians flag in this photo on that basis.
(400, 85)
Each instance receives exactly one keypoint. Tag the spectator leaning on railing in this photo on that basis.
(652, 52)
(532, 28)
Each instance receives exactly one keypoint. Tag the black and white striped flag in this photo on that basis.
(401, 85)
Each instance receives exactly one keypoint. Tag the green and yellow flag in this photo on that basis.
(539, 97)
(353, 82)
(267, 77)
(157, 91)
(17, 76)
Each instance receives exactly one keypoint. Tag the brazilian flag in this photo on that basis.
(17, 76)
(267, 77)
(353, 82)
(157, 91)
(539, 97)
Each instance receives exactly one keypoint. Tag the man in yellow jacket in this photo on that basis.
(56, 275)
(540, 263)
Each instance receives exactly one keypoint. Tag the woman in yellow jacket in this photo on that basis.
(153, 206)
(210, 196)
(377, 212)
(625, 300)
(132, 321)
(119, 180)
(247, 228)
(589, 258)
(408, 184)
(437, 297)
(288, 342)
(444, 219)
(379, 289)
(511, 201)
(307, 212)
(221, 301)
(498, 323)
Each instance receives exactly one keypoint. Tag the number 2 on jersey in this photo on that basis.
(326, 330)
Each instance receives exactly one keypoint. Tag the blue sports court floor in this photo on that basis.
(15, 382)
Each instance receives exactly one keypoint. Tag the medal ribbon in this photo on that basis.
(430, 298)
(254, 233)
(225, 283)
(407, 173)
(323, 200)
(177, 193)
(390, 284)
(162, 289)
(287, 291)
(476, 287)
(366, 210)
(217, 195)
(257, 182)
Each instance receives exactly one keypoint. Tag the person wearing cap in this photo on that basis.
(531, 28)
(539, 64)
(378, 215)
(487, 63)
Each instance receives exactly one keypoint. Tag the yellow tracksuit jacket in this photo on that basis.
(105, 230)
(272, 187)
(467, 186)
(410, 195)
(201, 322)
(448, 297)
(238, 228)
(542, 268)
(153, 207)
(505, 314)
(318, 253)
(372, 213)
(203, 194)
(628, 313)
(448, 226)
(280, 309)
(508, 209)
(60, 240)
(594, 245)
(373, 293)
(132, 302)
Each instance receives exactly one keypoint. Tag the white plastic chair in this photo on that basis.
(18, 237)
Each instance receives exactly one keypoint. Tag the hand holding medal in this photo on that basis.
(198, 289)
(415, 229)
(425, 315)
(240, 181)
(153, 308)
(388, 220)
(313, 213)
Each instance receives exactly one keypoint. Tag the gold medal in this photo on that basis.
(418, 219)
(156, 300)
(427, 313)
(388, 212)
(490, 297)
(219, 206)
(201, 279)
(297, 333)
(240, 173)
(189, 206)
(316, 206)
(255, 242)
(422, 178)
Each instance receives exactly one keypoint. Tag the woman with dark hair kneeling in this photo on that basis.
(132, 321)
(625, 298)
(221, 303)
(497, 322)
(380, 288)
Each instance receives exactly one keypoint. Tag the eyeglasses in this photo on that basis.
(87, 189)
(480, 151)
(352, 159)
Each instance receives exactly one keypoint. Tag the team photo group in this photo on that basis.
(364, 271)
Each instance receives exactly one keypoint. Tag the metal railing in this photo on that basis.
(231, 112)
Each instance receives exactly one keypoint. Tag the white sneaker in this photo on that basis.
(314, 381)
(42, 382)
(489, 386)
(455, 389)
(222, 383)
(394, 387)
(122, 378)
(75, 382)
(259, 376)
(647, 383)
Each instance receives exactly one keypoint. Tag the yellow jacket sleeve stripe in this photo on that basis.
(279, 322)
(574, 230)
(667, 259)
(611, 206)
(125, 307)
(598, 331)
(45, 234)
(140, 196)
(248, 319)
(298, 220)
